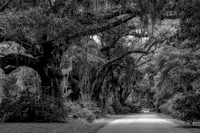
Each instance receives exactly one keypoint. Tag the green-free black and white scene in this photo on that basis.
(99, 66)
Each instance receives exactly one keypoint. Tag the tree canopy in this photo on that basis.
(112, 52)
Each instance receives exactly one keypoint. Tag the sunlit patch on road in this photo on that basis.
(144, 123)
(141, 120)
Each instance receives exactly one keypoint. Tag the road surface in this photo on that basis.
(143, 123)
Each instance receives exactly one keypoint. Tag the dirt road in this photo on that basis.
(143, 123)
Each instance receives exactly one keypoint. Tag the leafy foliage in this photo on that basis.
(186, 106)
(133, 108)
(110, 110)
(21, 79)
(31, 108)
(32, 24)
(190, 19)
(85, 110)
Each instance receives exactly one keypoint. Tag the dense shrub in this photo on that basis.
(84, 110)
(117, 107)
(31, 108)
(71, 107)
(125, 110)
(84, 114)
(166, 107)
(92, 107)
(186, 106)
(110, 110)
(133, 108)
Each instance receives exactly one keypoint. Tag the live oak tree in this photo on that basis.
(45, 29)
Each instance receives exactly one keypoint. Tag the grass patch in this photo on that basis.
(72, 127)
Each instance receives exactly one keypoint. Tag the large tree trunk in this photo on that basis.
(51, 81)
(105, 97)
(48, 69)
(97, 85)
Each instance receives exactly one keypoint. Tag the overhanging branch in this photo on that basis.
(23, 41)
(149, 44)
(115, 13)
(124, 55)
(141, 64)
(112, 45)
(121, 57)
(91, 30)
(95, 28)
(18, 60)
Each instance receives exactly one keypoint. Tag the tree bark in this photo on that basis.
(97, 85)
(49, 71)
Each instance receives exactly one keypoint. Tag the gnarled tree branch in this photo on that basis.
(95, 28)
(91, 30)
(124, 55)
(18, 60)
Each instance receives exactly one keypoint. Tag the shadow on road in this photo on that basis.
(198, 127)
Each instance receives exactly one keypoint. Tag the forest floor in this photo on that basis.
(80, 127)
